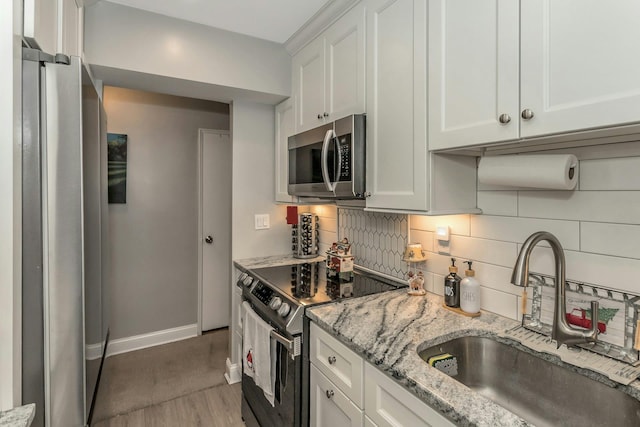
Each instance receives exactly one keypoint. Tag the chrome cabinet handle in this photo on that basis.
(332, 360)
(208, 239)
(325, 114)
(330, 394)
(319, 116)
(527, 114)
(504, 118)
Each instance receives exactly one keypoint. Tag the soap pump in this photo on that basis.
(452, 286)
(470, 292)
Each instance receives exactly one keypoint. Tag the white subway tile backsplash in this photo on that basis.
(438, 284)
(499, 302)
(494, 277)
(610, 239)
(605, 271)
(610, 174)
(484, 250)
(423, 237)
(503, 203)
(458, 224)
(514, 229)
(598, 206)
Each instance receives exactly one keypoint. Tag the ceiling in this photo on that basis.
(273, 20)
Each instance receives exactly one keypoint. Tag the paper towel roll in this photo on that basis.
(552, 171)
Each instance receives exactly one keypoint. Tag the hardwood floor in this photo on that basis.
(213, 407)
(180, 384)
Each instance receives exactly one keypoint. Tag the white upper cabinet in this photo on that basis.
(580, 64)
(498, 73)
(328, 73)
(285, 127)
(397, 169)
(53, 26)
(473, 72)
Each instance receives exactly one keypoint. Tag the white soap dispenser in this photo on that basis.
(470, 292)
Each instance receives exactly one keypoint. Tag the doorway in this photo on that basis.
(214, 229)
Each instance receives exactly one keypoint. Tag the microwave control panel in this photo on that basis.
(344, 144)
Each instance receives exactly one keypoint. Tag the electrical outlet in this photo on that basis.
(262, 221)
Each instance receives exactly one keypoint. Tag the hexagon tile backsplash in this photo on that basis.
(377, 239)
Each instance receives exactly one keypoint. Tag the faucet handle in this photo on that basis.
(595, 318)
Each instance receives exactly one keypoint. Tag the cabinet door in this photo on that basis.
(390, 405)
(285, 127)
(329, 407)
(308, 85)
(396, 104)
(580, 65)
(340, 364)
(473, 72)
(344, 64)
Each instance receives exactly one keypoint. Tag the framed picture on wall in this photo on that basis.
(117, 167)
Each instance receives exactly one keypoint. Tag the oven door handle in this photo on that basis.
(292, 346)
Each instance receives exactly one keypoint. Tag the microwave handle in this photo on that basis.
(331, 186)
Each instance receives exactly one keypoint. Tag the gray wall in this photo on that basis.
(153, 236)
(121, 38)
(254, 183)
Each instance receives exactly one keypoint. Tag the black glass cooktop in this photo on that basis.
(307, 283)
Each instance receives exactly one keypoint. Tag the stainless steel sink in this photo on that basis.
(539, 391)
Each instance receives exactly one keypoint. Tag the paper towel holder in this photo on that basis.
(543, 171)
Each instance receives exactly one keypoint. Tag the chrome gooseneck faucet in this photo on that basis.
(561, 332)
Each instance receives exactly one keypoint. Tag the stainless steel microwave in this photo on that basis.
(328, 162)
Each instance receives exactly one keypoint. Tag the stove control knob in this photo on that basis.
(284, 309)
(275, 303)
(248, 281)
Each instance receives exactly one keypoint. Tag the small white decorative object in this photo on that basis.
(414, 254)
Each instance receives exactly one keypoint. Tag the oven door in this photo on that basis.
(258, 412)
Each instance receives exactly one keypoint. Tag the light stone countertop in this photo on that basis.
(21, 416)
(274, 261)
(389, 330)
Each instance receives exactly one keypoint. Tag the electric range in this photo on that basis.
(280, 296)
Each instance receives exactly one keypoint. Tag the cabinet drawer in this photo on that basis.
(340, 364)
(329, 407)
(388, 404)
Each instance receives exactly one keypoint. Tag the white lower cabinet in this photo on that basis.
(329, 406)
(388, 404)
(347, 391)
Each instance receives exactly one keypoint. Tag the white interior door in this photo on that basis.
(215, 228)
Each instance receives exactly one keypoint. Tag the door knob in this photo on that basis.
(504, 118)
(527, 114)
(208, 239)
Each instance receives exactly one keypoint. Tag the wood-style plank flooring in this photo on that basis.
(214, 407)
(180, 384)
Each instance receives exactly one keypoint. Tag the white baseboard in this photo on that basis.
(93, 351)
(137, 342)
(233, 372)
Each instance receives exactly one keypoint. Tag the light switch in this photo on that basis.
(262, 221)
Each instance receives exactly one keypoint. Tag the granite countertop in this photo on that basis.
(389, 329)
(274, 261)
(21, 416)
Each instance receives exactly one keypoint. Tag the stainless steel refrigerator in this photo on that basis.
(64, 239)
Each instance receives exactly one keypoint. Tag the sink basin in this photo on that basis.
(541, 392)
